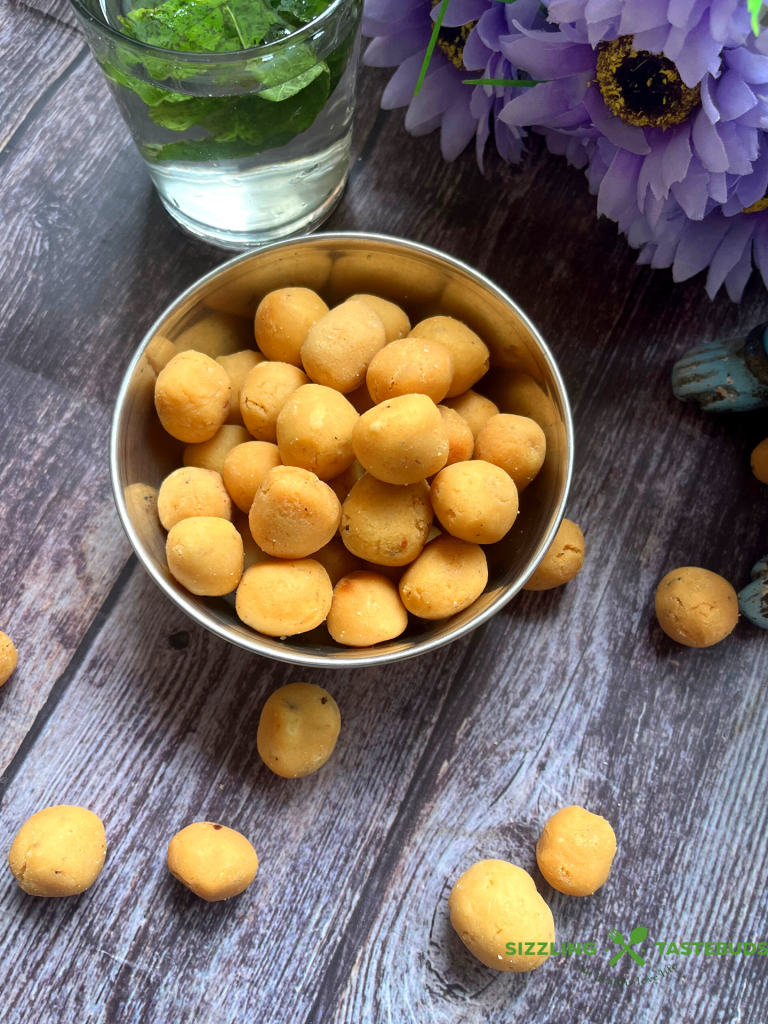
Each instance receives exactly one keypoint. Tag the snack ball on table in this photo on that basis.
(411, 366)
(238, 366)
(395, 320)
(59, 851)
(244, 469)
(9, 658)
(366, 610)
(212, 454)
(402, 440)
(696, 607)
(759, 461)
(340, 345)
(515, 444)
(475, 501)
(384, 523)
(213, 861)
(471, 357)
(495, 904)
(285, 597)
(563, 560)
(314, 431)
(191, 491)
(265, 391)
(461, 442)
(283, 319)
(293, 513)
(298, 729)
(192, 397)
(447, 577)
(205, 555)
(475, 409)
(575, 851)
(337, 560)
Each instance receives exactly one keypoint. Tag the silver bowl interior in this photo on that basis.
(216, 316)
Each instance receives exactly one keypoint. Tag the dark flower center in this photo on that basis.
(451, 41)
(643, 89)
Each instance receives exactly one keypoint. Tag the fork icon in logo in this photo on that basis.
(635, 936)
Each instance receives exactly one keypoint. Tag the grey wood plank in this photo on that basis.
(59, 10)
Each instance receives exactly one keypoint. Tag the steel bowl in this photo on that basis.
(215, 316)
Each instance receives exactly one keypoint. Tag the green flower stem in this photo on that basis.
(431, 47)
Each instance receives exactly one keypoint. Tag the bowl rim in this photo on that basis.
(287, 654)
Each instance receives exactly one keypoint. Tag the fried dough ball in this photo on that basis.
(263, 394)
(217, 334)
(696, 607)
(283, 598)
(293, 513)
(562, 561)
(474, 408)
(515, 444)
(192, 397)
(517, 392)
(283, 320)
(447, 577)
(402, 440)
(411, 366)
(212, 454)
(470, 353)
(8, 658)
(298, 729)
(337, 560)
(461, 443)
(759, 461)
(495, 907)
(386, 524)
(366, 609)
(59, 851)
(341, 344)
(575, 851)
(314, 431)
(395, 320)
(214, 861)
(475, 501)
(244, 469)
(189, 492)
(159, 352)
(205, 555)
(237, 367)
(343, 484)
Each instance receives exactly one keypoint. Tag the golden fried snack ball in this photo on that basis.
(395, 320)
(696, 607)
(461, 443)
(238, 366)
(214, 861)
(293, 513)
(192, 397)
(343, 484)
(495, 906)
(212, 454)
(341, 344)
(517, 392)
(575, 851)
(470, 353)
(159, 352)
(283, 319)
(411, 366)
(475, 501)
(446, 578)
(205, 555)
(189, 492)
(366, 609)
(474, 408)
(59, 851)
(562, 561)
(298, 729)
(515, 444)
(8, 658)
(314, 431)
(337, 560)
(283, 598)
(386, 524)
(402, 440)
(244, 469)
(759, 461)
(263, 394)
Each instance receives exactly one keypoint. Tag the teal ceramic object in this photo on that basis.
(725, 376)
(753, 599)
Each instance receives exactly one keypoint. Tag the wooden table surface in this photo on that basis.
(573, 696)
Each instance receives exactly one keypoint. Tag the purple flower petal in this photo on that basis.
(399, 90)
(538, 105)
(677, 156)
(697, 246)
(390, 51)
(439, 90)
(679, 12)
(492, 25)
(708, 99)
(752, 187)
(734, 97)
(654, 40)
(708, 145)
(697, 54)
(618, 190)
(458, 129)
(621, 134)
(640, 17)
(736, 279)
(395, 10)
(548, 60)
(720, 15)
(753, 67)
(461, 12)
(717, 188)
(476, 53)
(691, 194)
(728, 253)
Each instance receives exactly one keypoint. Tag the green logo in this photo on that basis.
(635, 936)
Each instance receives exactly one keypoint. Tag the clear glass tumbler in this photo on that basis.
(244, 147)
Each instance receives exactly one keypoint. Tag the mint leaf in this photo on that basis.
(303, 11)
(252, 19)
(287, 89)
(178, 115)
(192, 26)
(202, 149)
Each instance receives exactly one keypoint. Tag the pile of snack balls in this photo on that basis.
(342, 437)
